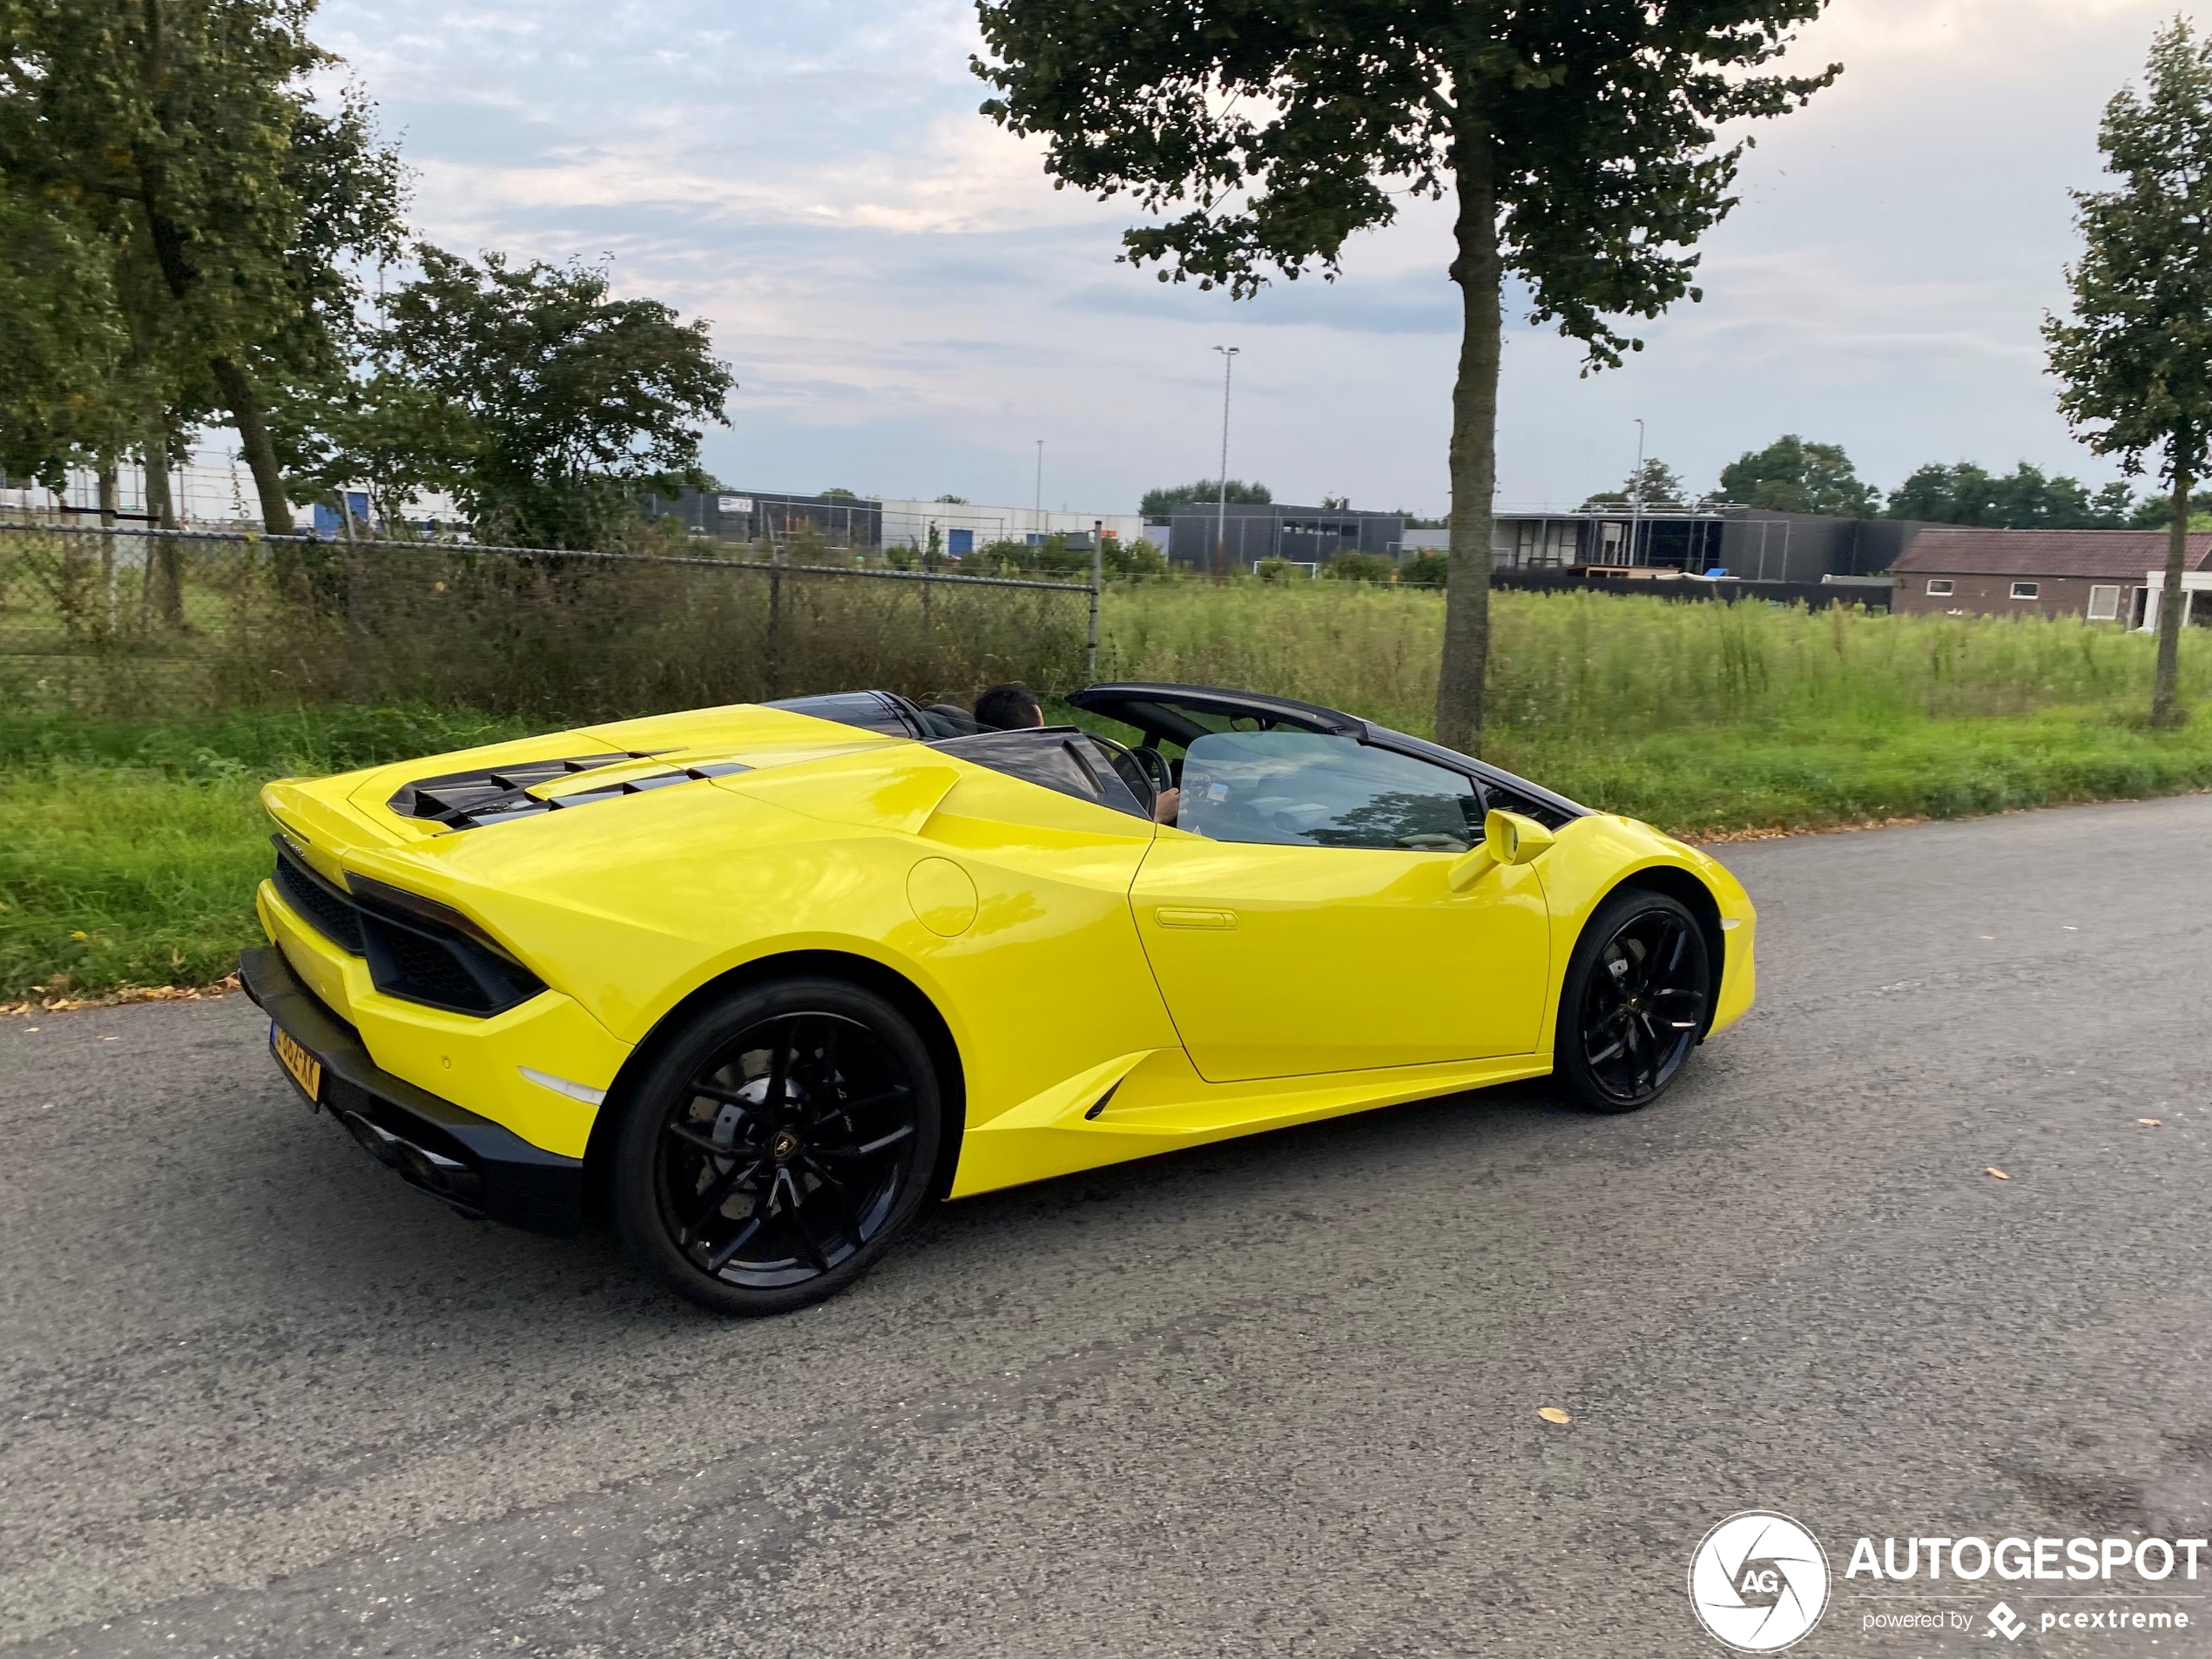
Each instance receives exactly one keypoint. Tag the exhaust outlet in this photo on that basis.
(434, 1172)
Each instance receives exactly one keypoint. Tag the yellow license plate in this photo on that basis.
(306, 1069)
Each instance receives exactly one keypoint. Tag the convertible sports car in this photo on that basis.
(758, 984)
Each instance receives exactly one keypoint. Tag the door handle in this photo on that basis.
(1215, 920)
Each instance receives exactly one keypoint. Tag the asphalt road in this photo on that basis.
(1274, 1399)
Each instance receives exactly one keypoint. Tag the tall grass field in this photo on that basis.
(130, 848)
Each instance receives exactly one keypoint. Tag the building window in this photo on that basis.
(1939, 587)
(2027, 590)
(2104, 604)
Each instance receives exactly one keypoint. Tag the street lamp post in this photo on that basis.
(1037, 510)
(1635, 497)
(1221, 505)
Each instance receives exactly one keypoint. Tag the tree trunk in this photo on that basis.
(2165, 708)
(155, 452)
(159, 588)
(1477, 269)
(245, 403)
(109, 505)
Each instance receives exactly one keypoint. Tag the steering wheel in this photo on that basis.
(1156, 767)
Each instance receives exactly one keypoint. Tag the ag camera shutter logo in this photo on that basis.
(1758, 1582)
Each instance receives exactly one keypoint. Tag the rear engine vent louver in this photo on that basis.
(470, 799)
(416, 949)
(328, 909)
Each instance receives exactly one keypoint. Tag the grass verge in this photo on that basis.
(129, 853)
(129, 849)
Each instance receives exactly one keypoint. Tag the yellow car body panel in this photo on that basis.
(1404, 970)
(486, 1064)
(1112, 989)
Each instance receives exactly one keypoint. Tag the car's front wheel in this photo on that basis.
(778, 1145)
(1636, 996)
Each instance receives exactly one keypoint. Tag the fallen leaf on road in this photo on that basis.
(1553, 1414)
(1999, 1173)
(2152, 1123)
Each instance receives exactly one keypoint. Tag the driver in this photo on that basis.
(1015, 707)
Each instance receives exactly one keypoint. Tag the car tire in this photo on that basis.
(778, 1145)
(1634, 1004)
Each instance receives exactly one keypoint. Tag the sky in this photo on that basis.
(910, 307)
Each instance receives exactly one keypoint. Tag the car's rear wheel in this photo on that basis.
(1636, 999)
(779, 1146)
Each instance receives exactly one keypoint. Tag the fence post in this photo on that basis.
(1097, 579)
(775, 620)
(356, 616)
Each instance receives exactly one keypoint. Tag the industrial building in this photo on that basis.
(1212, 538)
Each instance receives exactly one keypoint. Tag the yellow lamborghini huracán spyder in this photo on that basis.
(757, 983)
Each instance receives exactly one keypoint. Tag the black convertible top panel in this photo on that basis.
(1156, 706)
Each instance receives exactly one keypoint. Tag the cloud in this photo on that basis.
(909, 305)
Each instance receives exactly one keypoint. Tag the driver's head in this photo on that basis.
(1009, 708)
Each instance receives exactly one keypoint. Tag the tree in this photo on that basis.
(1355, 567)
(69, 345)
(186, 130)
(2136, 359)
(1161, 503)
(1790, 476)
(380, 427)
(1656, 484)
(574, 402)
(2023, 500)
(1579, 143)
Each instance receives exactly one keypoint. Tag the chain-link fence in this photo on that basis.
(116, 621)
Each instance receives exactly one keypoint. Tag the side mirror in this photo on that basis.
(1512, 839)
(1507, 837)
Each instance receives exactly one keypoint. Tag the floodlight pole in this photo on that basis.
(1037, 510)
(1221, 509)
(1636, 498)
(1097, 582)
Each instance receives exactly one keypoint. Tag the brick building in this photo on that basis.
(2102, 575)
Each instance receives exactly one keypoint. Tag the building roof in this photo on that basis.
(2110, 555)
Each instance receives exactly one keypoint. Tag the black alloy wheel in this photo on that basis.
(1634, 1004)
(779, 1146)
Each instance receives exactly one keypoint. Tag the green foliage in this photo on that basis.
(2156, 513)
(1656, 484)
(1597, 668)
(1138, 559)
(129, 852)
(1278, 570)
(231, 209)
(2023, 500)
(1790, 476)
(69, 345)
(2136, 358)
(1282, 129)
(1426, 569)
(382, 428)
(1162, 502)
(575, 402)
(1356, 567)
(1580, 143)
